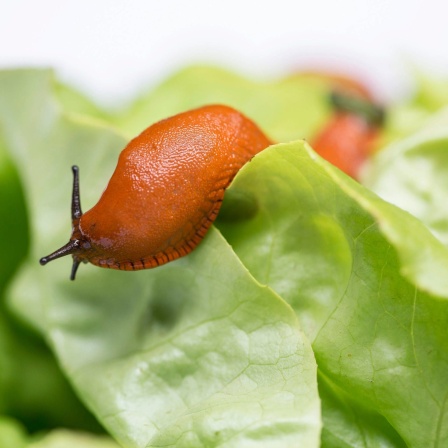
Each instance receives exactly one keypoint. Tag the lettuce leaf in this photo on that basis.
(196, 352)
(14, 435)
(413, 174)
(286, 109)
(359, 289)
(209, 350)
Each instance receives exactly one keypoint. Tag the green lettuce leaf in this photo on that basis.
(413, 174)
(32, 387)
(12, 433)
(372, 299)
(208, 350)
(196, 352)
(423, 109)
(62, 438)
(74, 102)
(285, 109)
(13, 219)
(431, 93)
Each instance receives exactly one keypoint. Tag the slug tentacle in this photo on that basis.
(76, 200)
(68, 249)
(75, 267)
(74, 246)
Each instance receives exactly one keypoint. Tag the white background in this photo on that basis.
(113, 49)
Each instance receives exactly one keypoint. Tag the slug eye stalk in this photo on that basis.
(372, 113)
(74, 245)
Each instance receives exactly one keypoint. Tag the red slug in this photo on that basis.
(165, 192)
(348, 138)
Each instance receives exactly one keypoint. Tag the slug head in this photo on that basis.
(77, 246)
(373, 114)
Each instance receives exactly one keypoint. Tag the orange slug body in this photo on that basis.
(166, 190)
(348, 139)
(346, 142)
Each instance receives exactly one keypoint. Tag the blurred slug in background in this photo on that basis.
(351, 134)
